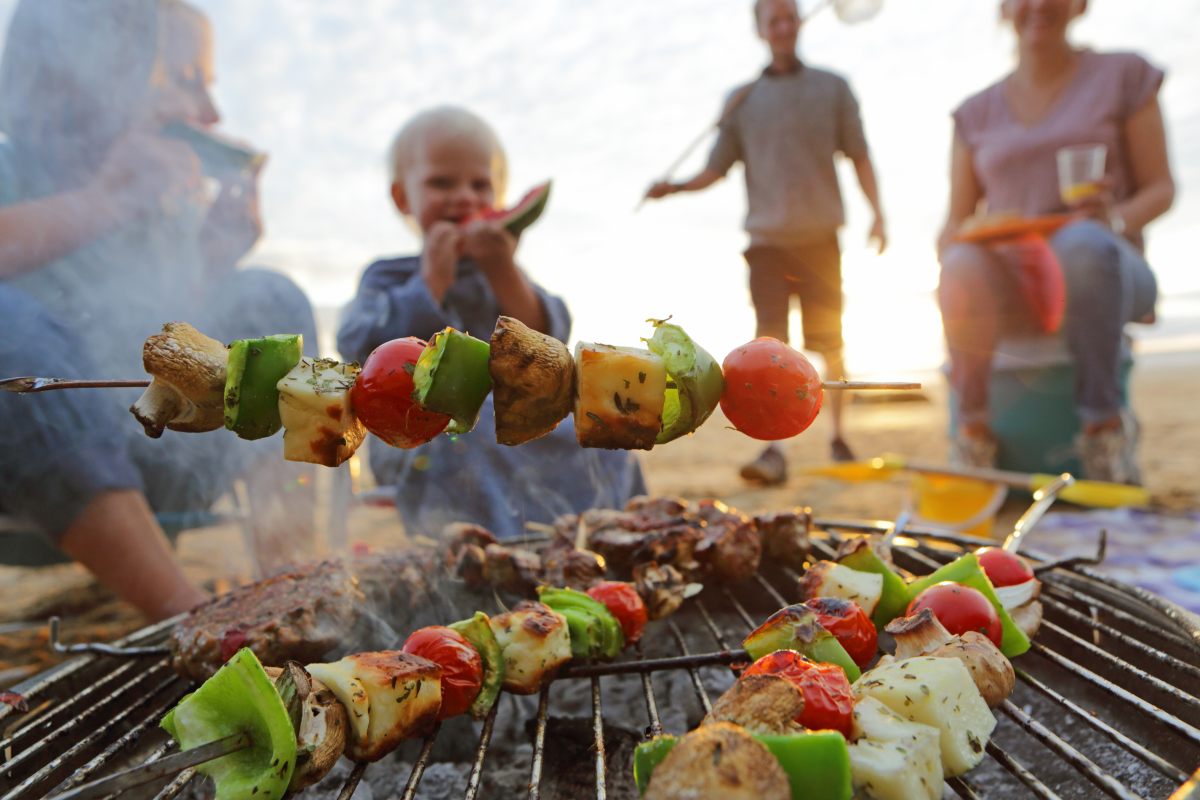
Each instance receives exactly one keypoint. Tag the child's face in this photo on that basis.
(451, 178)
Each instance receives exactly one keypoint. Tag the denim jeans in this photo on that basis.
(1108, 283)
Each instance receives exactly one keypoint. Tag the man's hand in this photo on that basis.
(491, 247)
(233, 224)
(661, 189)
(877, 237)
(443, 249)
(144, 174)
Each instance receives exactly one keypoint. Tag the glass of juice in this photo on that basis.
(1080, 171)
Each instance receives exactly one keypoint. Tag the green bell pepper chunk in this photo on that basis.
(894, 599)
(452, 377)
(816, 763)
(796, 628)
(967, 571)
(648, 755)
(695, 385)
(478, 632)
(595, 632)
(239, 698)
(251, 397)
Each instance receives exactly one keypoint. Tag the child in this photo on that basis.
(447, 165)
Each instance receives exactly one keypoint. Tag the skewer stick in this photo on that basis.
(860, 386)
(28, 385)
(155, 770)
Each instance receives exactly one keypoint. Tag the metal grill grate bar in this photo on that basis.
(57, 762)
(598, 739)
(693, 673)
(1080, 762)
(176, 786)
(1160, 764)
(655, 728)
(962, 788)
(1023, 775)
(1058, 590)
(539, 747)
(485, 738)
(418, 769)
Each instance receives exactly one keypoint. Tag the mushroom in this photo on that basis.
(719, 760)
(533, 381)
(922, 634)
(321, 736)
(766, 704)
(187, 392)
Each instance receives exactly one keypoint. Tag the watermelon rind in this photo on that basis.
(526, 212)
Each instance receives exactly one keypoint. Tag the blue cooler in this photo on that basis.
(1032, 404)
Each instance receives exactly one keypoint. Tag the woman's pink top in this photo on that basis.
(1015, 163)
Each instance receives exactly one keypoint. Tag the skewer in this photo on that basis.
(29, 385)
(156, 770)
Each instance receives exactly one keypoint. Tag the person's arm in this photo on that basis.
(1146, 139)
(964, 192)
(700, 181)
(869, 184)
(726, 151)
(38, 232)
(494, 250)
(391, 302)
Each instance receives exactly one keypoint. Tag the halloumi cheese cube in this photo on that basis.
(831, 579)
(621, 392)
(535, 642)
(893, 758)
(318, 421)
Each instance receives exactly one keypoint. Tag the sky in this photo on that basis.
(601, 97)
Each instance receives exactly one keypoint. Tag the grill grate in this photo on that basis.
(1090, 713)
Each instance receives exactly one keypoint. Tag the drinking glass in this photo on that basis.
(1080, 171)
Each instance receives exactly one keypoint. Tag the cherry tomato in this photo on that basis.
(462, 668)
(828, 700)
(771, 391)
(1002, 567)
(959, 608)
(625, 604)
(382, 396)
(849, 624)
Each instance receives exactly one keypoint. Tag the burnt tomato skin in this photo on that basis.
(382, 396)
(828, 699)
(850, 625)
(623, 601)
(960, 609)
(462, 667)
(771, 391)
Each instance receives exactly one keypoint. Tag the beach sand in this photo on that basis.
(1165, 388)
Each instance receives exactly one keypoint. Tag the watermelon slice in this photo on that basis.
(526, 212)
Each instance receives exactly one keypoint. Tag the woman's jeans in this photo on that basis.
(1108, 283)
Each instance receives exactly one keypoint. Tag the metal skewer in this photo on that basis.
(157, 770)
(1042, 500)
(29, 384)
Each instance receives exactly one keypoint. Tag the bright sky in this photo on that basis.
(601, 97)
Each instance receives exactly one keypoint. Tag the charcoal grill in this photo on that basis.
(1106, 702)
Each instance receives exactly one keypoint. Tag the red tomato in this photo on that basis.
(959, 608)
(382, 396)
(828, 701)
(625, 604)
(849, 624)
(771, 391)
(1002, 567)
(462, 668)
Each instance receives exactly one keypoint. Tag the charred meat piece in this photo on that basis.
(618, 546)
(662, 588)
(730, 547)
(563, 565)
(512, 569)
(654, 512)
(719, 760)
(300, 616)
(394, 580)
(785, 537)
(766, 704)
(458, 535)
(675, 546)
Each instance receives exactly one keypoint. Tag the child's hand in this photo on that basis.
(443, 248)
(490, 246)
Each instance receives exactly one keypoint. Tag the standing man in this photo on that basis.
(786, 127)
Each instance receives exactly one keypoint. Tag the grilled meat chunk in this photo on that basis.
(300, 616)
(662, 588)
(535, 642)
(730, 547)
(512, 569)
(719, 760)
(391, 696)
(765, 704)
(785, 537)
(563, 565)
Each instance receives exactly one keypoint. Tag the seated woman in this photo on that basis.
(1004, 158)
(105, 234)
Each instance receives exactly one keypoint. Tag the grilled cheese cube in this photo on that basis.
(314, 404)
(894, 759)
(938, 692)
(535, 642)
(621, 391)
(831, 579)
(403, 694)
